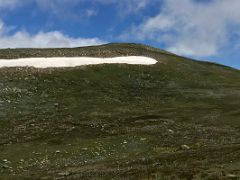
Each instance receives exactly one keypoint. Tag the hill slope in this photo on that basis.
(177, 118)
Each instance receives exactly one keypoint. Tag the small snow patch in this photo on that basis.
(55, 62)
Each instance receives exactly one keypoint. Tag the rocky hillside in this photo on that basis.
(179, 118)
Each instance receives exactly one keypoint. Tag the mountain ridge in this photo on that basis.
(40, 52)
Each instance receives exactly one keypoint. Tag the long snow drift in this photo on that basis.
(54, 62)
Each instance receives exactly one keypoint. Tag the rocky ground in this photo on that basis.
(178, 119)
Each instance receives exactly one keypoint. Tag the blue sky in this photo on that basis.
(200, 29)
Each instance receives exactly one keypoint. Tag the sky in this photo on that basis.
(199, 29)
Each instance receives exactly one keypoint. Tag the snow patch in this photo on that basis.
(55, 62)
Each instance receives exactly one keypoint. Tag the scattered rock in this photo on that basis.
(5, 166)
(36, 153)
(58, 151)
(231, 176)
(171, 131)
(64, 173)
(185, 147)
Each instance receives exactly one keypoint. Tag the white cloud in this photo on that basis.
(23, 39)
(8, 3)
(192, 28)
(1, 27)
(128, 6)
(125, 7)
(56, 6)
(63, 8)
(12, 4)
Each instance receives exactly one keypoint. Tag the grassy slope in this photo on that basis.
(121, 121)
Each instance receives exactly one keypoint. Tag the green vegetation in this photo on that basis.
(176, 119)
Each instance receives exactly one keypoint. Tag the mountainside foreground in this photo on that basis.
(177, 119)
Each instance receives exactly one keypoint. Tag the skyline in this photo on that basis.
(198, 29)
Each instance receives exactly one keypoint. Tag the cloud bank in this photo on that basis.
(192, 28)
(53, 39)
